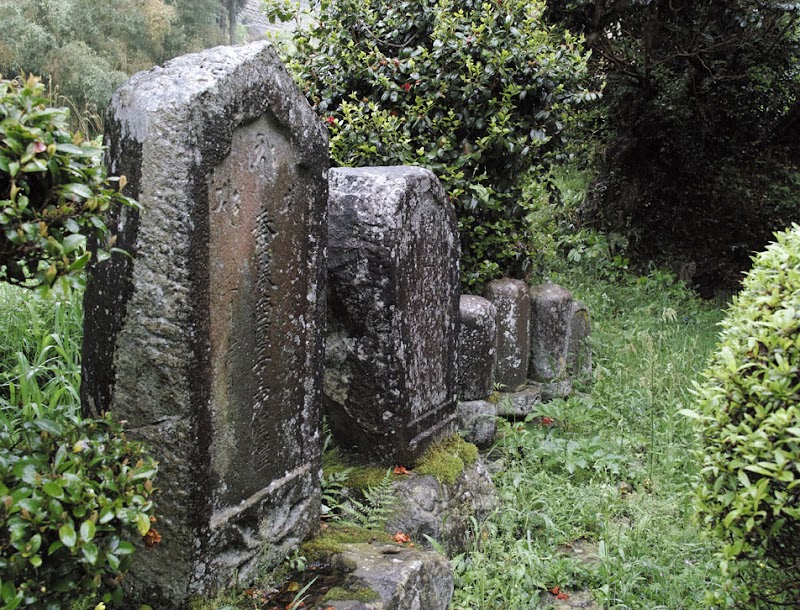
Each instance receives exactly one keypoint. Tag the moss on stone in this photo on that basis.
(360, 476)
(330, 540)
(447, 459)
(364, 594)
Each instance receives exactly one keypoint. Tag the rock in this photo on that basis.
(390, 378)
(477, 422)
(477, 348)
(427, 507)
(402, 578)
(208, 339)
(551, 317)
(511, 299)
(579, 350)
(519, 404)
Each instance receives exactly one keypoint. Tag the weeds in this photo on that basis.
(609, 467)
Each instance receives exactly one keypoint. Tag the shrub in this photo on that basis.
(749, 413)
(477, 91)
(53, 191)
(72, 494)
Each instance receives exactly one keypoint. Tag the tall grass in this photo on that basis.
(611, 468)
(40, 348)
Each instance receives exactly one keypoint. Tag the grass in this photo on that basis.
(612, 468)
(40, 351)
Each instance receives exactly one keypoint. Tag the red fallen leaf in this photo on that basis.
(401, 538)
(547, 421)
(152, 537)
(562, 596)
(555, 590)
(400, 470)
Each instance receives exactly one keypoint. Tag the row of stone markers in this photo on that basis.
(209, 339)
(517, 346)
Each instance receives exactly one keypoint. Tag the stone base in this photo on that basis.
(401, 578)
(427, 507)
(477, 422)
(521, 403)
(556, 389)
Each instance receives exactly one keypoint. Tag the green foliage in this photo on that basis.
(74, 491)
(53, 191)
(479, 92)
(447, 459)
(629, 509)
(374, 510)
(700, 101)
(749, 422)
(84, 49)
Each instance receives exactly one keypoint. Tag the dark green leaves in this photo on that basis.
(53, 191)
(479, 92)
(71, 492)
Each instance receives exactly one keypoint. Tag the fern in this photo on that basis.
(376, 508)
(334, 491)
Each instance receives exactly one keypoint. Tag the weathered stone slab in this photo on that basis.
(551, 319)
(401, 578)
(390, 377)
(209, 341)
(477, 422)
(511, 299)
(521, 403)
(579, 350)
(426, 507)
(477, 347)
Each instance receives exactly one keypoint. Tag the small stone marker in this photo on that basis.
(477, 422)
(208, 340)
(390, 378)
(518, 404)
(477, 347)
(511, 299)
(551, 319)
(579, 351)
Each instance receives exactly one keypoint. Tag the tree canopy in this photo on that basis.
(699, 97)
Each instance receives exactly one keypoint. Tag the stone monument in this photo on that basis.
(208, 339)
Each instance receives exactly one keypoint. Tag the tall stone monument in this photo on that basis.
(390, 376)
(208, 340)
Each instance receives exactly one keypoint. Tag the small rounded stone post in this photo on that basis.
(477, 355)
(511, 299)
(551, 319)
(579, 352)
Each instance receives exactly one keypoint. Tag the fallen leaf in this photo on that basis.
(293, 586)
(555, 590)
(562, 596)
(401, 538)
(547, 421)
(152, 537)
(400, 470)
